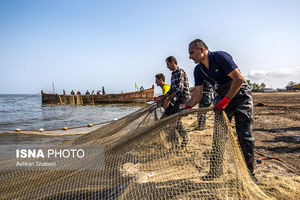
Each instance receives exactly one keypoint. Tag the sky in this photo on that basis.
(85, 44)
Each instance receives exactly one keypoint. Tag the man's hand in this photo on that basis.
(159, 99)
(185, 108)
(166, 103)
(221, 105)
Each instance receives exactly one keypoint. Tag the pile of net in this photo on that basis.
(142, 160)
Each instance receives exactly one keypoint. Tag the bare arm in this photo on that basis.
(237, 81)
(196, 97)
(170, 97)
(161, 98)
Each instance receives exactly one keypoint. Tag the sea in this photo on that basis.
(26, 112)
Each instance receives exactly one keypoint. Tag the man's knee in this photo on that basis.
(247, 142)
(243, 123)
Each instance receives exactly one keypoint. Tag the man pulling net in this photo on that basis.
(178, 95)
(233, 95)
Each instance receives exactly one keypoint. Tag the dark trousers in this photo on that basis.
(174, 107)
(241, 107)
(205, 102)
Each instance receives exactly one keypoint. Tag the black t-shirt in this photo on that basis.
(220, 65)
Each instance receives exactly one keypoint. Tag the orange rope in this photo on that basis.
(260, 160)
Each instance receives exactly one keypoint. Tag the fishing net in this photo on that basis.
(143, 159)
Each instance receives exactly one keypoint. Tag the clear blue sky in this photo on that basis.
(83, 44)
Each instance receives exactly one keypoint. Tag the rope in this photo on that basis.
(25, 98)
(260, 162)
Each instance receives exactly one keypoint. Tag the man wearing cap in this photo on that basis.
(233, 95)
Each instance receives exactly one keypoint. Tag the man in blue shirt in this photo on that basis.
(233, 95)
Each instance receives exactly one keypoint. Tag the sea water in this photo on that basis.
(19, 111)
(26, 112)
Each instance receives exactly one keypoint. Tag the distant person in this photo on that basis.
(87, 92)
(178, 93)
(103, 91)
(72, 92)
(78, 92)
(98, 92)
(233, 95)
(64, 92)
(160, 81)
(141, 88)
(206, 101)
(93, 92)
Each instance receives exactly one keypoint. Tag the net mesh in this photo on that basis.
(143, 160)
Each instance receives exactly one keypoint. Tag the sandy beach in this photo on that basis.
(276, 129)
(277, 133)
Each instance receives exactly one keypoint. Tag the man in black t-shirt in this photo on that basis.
(233, 95)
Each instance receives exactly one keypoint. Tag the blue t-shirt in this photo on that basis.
(220, 65)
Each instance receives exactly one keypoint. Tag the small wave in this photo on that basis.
(6, 123)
